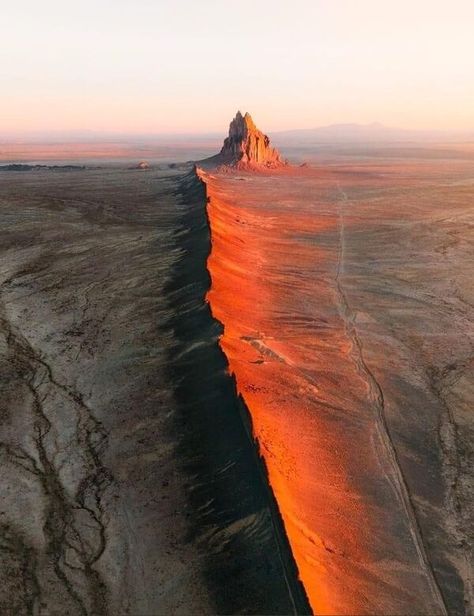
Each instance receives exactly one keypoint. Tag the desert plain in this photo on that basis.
(230, 391)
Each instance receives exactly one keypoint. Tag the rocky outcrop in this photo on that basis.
(143, 164)
(246, 146)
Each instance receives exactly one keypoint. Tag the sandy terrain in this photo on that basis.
(346, 293)
(118, 151)
(129, 484)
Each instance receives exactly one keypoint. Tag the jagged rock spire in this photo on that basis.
(248, 146)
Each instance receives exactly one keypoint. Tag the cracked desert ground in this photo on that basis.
(343, 293)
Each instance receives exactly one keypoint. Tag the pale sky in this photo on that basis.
(188, 65)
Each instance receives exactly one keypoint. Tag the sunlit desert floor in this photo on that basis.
(346, 291)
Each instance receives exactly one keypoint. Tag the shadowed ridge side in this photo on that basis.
(246, 147)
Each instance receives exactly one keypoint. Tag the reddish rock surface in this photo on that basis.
(246, 146)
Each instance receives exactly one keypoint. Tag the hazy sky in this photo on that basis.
(185, 65)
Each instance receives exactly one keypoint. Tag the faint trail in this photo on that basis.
(377, 398)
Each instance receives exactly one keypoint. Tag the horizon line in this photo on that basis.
(8, 135)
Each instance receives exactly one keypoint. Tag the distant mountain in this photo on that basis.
(332, 134)
(366, 133)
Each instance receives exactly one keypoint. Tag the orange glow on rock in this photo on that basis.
(273, 265)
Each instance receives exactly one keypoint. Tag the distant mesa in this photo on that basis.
(248, 147)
